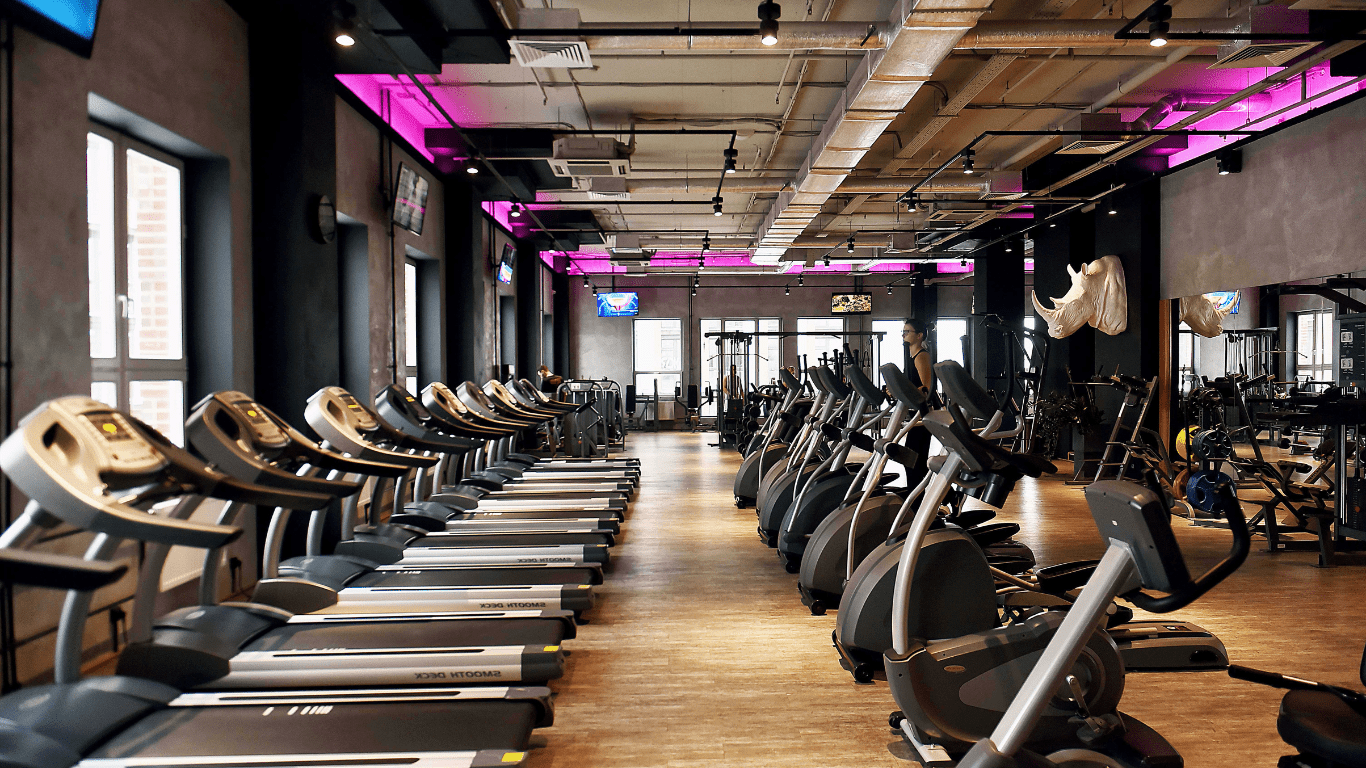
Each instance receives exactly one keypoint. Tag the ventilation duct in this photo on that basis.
(1266, 20)
(606, 189)
(1097, 143)
(920, 35)
(570, 53)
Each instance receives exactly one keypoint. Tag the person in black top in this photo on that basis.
(921, 373)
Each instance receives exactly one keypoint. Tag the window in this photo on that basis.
(1314, 345)
(948, 339)
(765, 358)
(135, 214)
(811, 348)
(659, 356)
(1185, 357)
(890, 349)
(410, 324)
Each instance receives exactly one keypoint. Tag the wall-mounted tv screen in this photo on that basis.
(618, 304)
(505, 263)
(410, 199)
(68, 23)
(851, 303)
(1227, 301)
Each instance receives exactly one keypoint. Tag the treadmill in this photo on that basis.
(250, 442)
(347, 425)
(84, 464)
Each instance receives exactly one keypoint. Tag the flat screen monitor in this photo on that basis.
(505, 263)
(410, 199)
(1226, 301)
(618, 304)
(851, 303)
(68, 23)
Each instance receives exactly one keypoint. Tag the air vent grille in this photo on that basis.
(955, 216)
(572, 54)
(1244, 54)
(1091, 147)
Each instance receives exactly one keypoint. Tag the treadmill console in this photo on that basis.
(70, 454)
(404, 400)
(264, 431)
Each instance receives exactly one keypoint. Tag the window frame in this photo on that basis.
(636, 371)
(122, 369)
(1324, 321)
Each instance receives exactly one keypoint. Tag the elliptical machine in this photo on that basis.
(782, 483)
(833, 482)
(782, 424)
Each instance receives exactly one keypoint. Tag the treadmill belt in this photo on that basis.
(411, 634)
(510, 540)
(473, 577)
(424, 726)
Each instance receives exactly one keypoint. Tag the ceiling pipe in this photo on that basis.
(852, 185)
(1076, 33)
(1185, 102)
(795, 35)
(1144, 75)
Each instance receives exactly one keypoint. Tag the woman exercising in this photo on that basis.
(921, 374)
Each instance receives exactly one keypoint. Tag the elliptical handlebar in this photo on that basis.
(902, 389)
(1192, 589)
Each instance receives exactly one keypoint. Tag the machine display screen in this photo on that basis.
(851, 303)
(1226, 301)
(618, 304)
(410, 200)
(110, 428)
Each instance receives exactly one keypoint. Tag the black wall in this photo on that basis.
(297, 280)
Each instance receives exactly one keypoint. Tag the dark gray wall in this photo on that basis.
(1298, 210)
(181, 66)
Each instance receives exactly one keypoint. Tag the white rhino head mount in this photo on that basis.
(1097, 298)
(1203, 315)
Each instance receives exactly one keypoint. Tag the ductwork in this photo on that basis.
(1184, 102)
(1076, 33)
(1006, 183)
(857, 35)
(920, 36)
(798, 35)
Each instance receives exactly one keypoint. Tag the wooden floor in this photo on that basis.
(700, 652)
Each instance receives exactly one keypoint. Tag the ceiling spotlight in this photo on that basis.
(769, 12)
(716, 205)
(968, 160)
(1228, 161)
(1052, 224)
(889, 290)
(516, 211)
(595, 290)
(585, 281)
(346, 24)
(787, 290)
(799, 281)
(471, 168)
(963, 263)
(1111, 210)
(345, 40)
(1159, 26)
(730, 154)
(849, 244)
(706, 243)
(1009, 249)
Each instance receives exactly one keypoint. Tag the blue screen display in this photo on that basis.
(505, 272)
(618, 304)
(1227, 301)
(78, 16)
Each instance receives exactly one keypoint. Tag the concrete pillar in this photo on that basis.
(998, 289)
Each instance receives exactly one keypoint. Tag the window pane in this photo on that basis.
(410, 383)
(106, 392)
(161, 404)
(890, 349)
(810, 348)
(99, 184)
(154, 259)
(948, 339)
(645, 384)
(410, 315)
(659, 345)
(710, 373)
(745, 326)
(770, 350)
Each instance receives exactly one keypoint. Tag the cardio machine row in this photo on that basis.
(989, 656)
(422, 630)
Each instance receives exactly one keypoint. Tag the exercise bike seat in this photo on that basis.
(1319, 723)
